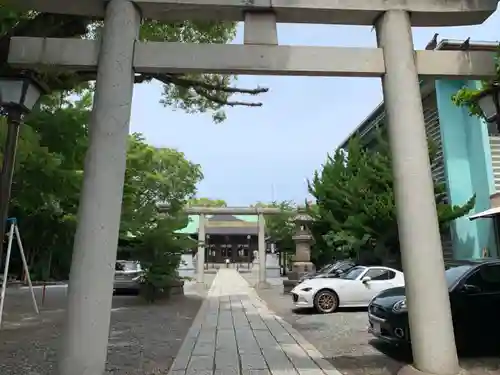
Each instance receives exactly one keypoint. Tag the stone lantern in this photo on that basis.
(303, 240)
(302, 260)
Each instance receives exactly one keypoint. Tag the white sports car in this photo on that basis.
(356, 288)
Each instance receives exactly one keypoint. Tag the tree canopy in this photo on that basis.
(467, 96)
(279, 227)
(206, 202)
(153, 176)
(189, 92)
(355, 212)
(48, 178)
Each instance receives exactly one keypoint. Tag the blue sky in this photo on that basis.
(261, 154)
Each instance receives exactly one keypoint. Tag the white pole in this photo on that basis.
(26, 269)
(6, 272)
(431, 325)
(200, 267)
(262, 251)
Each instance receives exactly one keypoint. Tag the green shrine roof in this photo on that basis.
(194, 222)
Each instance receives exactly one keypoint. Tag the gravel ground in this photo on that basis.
(342, 338)
(144, 339)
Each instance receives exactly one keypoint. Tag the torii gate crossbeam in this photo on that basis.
(169, 57)
(341, 12)
(118, 54)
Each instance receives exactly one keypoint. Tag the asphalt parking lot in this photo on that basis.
(343, 339)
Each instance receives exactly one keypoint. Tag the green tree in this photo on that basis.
(47, 183)
(153, 176)
(48, 179)
(206, 202)
(190, 92)
(279, 227)
(355, 213)
(159, 252)
(467, 96)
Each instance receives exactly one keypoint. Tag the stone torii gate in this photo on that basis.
(259, 211)
(118, 54)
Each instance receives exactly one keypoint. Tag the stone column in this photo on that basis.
(262, 251)
(85, 337)
(200, 267)
(431, 327)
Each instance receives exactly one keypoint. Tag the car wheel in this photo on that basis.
(326, 301)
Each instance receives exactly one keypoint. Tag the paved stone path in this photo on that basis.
(235, 333)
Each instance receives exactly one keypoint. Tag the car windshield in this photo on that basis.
(454, 272)
(344, 266)
(325, 268)
(354, 273)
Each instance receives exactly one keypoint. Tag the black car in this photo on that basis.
(474, 288)
(331, 270)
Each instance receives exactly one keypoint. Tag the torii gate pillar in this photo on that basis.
(433, 341)
(85, 339)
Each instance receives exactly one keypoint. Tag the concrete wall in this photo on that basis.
(468, 170)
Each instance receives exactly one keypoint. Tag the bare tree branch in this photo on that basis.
(182, 81)
(203, 88)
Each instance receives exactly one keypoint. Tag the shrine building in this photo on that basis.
(227, 236)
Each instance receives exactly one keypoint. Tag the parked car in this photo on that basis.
(330, 270)
(474, 289)
(127, 276)
(355, 288)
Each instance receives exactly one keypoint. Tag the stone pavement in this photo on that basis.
(235, 333)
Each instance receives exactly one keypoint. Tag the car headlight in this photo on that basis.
(306, 289)
(400, 306)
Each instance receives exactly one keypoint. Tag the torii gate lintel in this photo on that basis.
(428, 13)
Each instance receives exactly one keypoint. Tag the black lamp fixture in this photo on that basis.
(488, 102)
(18, 96)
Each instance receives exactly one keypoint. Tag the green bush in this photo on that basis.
(159, 252)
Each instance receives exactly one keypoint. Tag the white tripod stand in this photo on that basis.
(14, 230)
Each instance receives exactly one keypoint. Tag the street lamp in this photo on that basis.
(489, 104)
(18, 96)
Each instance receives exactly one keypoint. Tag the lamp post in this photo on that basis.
(18, 96)
(489, 104)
